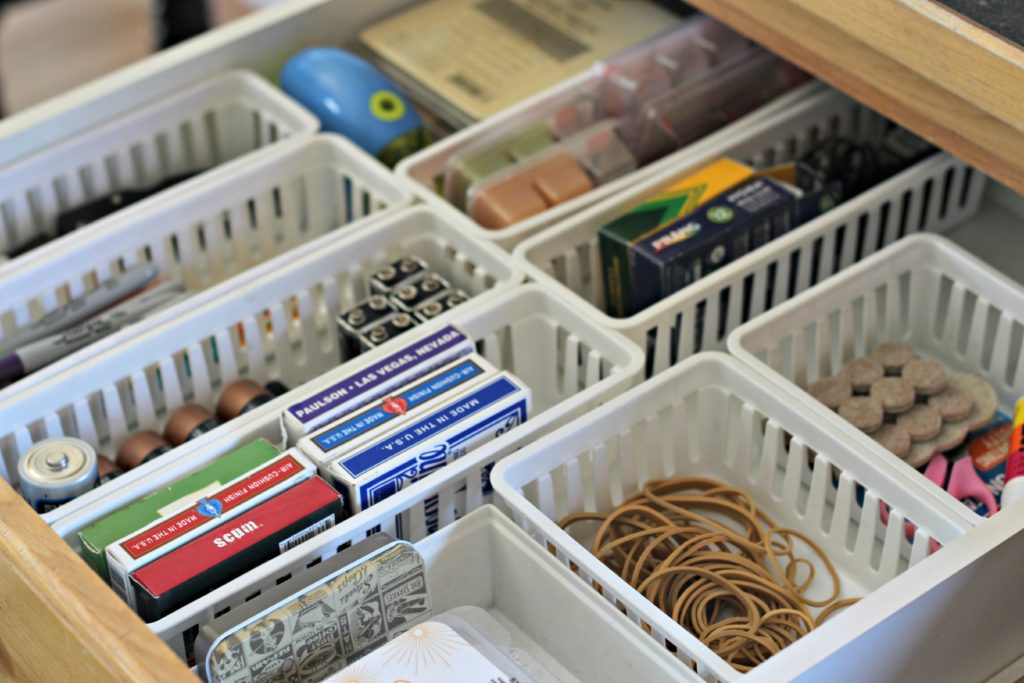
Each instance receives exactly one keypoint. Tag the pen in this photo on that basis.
(40, 353)
(82, 307)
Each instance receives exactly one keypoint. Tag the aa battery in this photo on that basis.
(394, 275)
(140, 448)
(276, 388)
(240, 397)
(188, 422)
(107, 471)
(55, 471)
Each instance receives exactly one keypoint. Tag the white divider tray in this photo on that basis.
(962, 606)
(275, 322)
(206, 230)
(211, 122)
(924, 291)
(570, 364)
(420, 169)
(712, 417)
(486, 561)
(934, 195)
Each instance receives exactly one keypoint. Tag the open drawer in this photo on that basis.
(59, 621)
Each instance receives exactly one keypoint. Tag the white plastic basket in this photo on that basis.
(206, 230)
(419, 170)
(486, 561)
(274, 322)
(924, 291)
(933, 195)
(952, 618)
(712, 417)
(570, 364)
(214, 121)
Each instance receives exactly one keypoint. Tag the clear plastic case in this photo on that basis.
(686, 113)
(591, 157)
(657, 97)
(677, 57)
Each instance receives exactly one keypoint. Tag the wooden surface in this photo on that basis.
(58, 620)
(50, 46)
(916, 61)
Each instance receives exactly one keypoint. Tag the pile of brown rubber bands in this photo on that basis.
(708, 557)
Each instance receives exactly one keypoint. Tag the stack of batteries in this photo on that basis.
(404, 294)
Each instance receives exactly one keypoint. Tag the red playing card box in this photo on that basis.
(234, 547)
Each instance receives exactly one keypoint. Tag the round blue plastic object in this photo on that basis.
(352, 97)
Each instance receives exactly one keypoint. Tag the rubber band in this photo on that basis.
(706, 555)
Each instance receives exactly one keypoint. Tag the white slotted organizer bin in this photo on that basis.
(570, 364)
(953, 618)
(486, 561)
(206, 230)
(213, 121)
(711, 417)
(933, 195)
(274, 322)
(924, 291)
(420, 169)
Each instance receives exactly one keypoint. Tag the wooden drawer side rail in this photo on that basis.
(58, 620)
(924, 66)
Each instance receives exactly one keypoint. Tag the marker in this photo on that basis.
(1017, 433)
(82, 308)
(34, 355)
(1014, 488)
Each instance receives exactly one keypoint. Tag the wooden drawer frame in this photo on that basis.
(57, 616)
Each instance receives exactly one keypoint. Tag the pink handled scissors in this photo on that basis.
(961, 481)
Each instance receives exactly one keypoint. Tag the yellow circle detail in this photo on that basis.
(387, 106)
